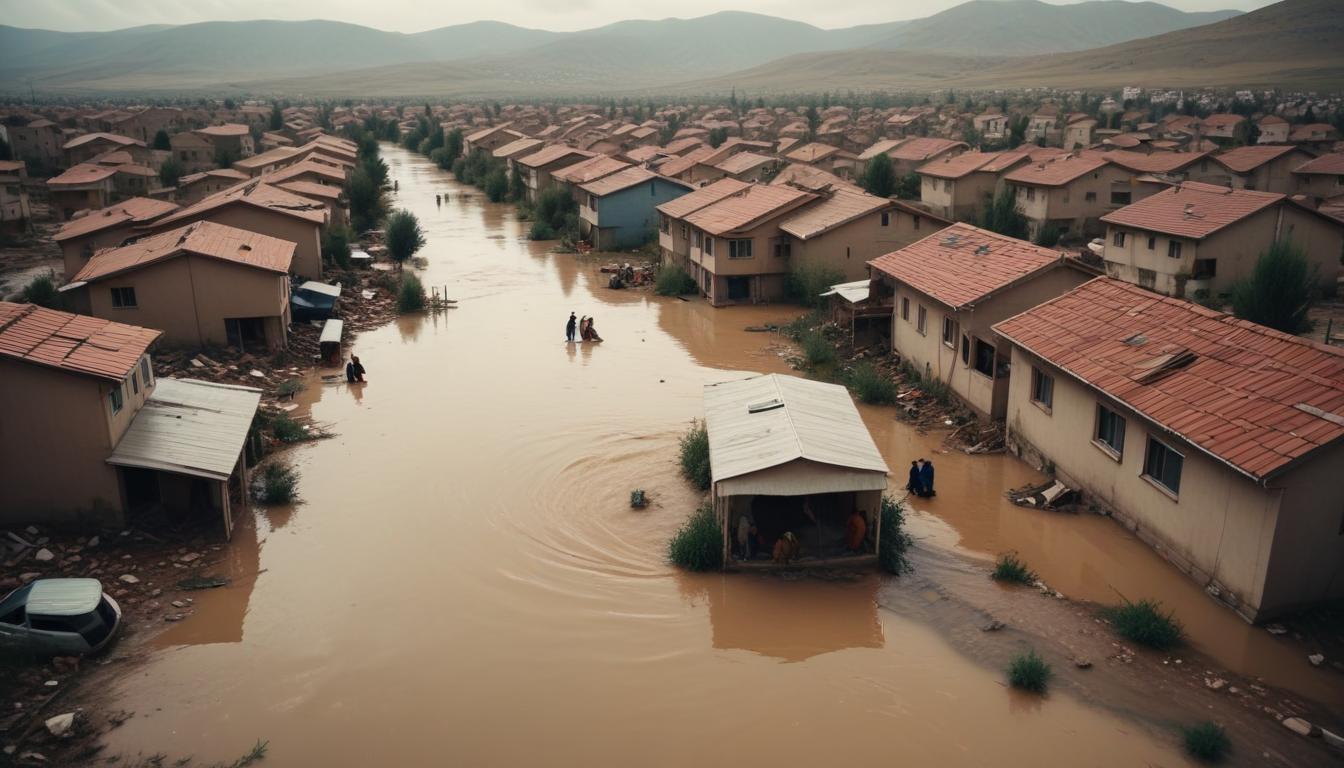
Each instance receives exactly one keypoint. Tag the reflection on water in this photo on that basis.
(219, 612)
(465, 582)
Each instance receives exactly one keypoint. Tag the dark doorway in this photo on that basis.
(248, 334)
(739, 288)
(142, 488)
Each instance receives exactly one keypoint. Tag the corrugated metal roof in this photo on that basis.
(1252, 397)
(69, 342)
(815, 421)
(851, 292)
(189, 427)
(64, 597)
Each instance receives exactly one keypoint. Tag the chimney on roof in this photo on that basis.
(1189, 210)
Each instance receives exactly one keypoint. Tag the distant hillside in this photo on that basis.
(1294, 43)
(1031, 27)
(324, 56)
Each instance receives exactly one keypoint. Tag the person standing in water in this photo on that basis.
(354, 370)
(926, 477)
(915, 484)
(570, 328)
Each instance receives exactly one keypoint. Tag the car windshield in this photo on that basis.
(12, 607)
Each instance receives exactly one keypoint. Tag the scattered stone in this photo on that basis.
(1082, 663)
(178, 604)
(189, 557)
(203, 582)
(174, 617)
(254, 373)
(993, 626)
(52, 683)
(1316, 659)
(156, 593)
(94, 541)
(127, 578)
(1276, 629)
(44, 555)
(33, 757)
(31, 530)
(1215, 683)
(1298, 725)
(60, 725)
(10, 749)
(197, 364)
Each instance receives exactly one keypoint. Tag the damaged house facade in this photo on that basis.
(1217, 441)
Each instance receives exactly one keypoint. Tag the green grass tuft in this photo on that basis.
(672, 280)
(279, 484)
(410, 294)
(698, 545)
(893, 541)
(817, 349)
(1010, 568)
(694, 449)
(290, 387)
(1206, 741)
(1029, 672)
(872, 385)
(1145, 623)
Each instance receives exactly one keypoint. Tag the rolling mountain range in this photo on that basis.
(980, 43)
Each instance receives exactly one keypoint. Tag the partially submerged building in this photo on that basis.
(99, 439)
(107, 227)
(1217, 441)
(620, 210)
(795, 457)
(15, 213)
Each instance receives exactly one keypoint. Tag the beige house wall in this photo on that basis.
(55, 447)
(189, 297)
(1068, 206)
(306, 236)
(66, 202)
(958, 199)
(1320, 184)
(848, 248)
(1236, 249)
(1220, 528)
(933, 357)
(1306, 562)
(76, 251)
(1275, 176)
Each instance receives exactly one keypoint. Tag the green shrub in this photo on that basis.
(41, 290)
(336, 246)
(893, 541)
(497, 185)
(872, 385)
(817, 349)
(290, 387)
(1048, 237)
(698, 545)
(796, 327)
(1029, 672)
(805, 284)
(411, 294)
(1145, 623)
(673, 281)
(694, 449)
(279, 484)
(1280, 290)
(1010, 568)
(541, 231)
(1206, 741)
(403, 236)
(287, 430)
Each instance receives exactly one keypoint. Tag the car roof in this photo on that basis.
(64, 597)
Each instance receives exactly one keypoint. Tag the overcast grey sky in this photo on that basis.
(417, 15)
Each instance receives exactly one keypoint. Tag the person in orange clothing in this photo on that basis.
(856, 530)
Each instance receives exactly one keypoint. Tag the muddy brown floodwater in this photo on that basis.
(465, 583)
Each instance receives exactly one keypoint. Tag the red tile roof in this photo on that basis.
(958, 166)
(517, 147)
(73, 343)
(811, 153)
(202, 238)
(1246, 159)
(322, 170)
(136, 210)
(1157, 162)
(1252, 397)
(1331, 165)
(551, 154)
(79, 175)
(923, 148)
(227, 129)
(694, 201)
(840, 208)
(1056, 172)
(87, 138)
(962, 265)
(312, 189)
(1192, 209)
(589, 170)
(257, 195)
(739, 212)
(619, 181)
(743, 162)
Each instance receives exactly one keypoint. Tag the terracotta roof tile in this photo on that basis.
(136, 210)
(1157, 162)
(811, 153)
(679, 165)
(257, 195)
(618, 181)
(227, 129)
(694, 201)
(743, 162)
(753, 205)
(1246, 159)
(88, 138)
(202, 238)
(590, 170)
(1251, 397)
(551, 154)
(517, 147)
(84, 173)
(1192, 209)
(1332, 165)
(1056, 172)
(923, 148)
(828, 213)
(963, 264)
(960, 165)
(74, 343)
(328, 172)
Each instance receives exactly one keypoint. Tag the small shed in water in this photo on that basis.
(792, 456)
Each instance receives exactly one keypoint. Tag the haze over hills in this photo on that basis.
(322, 57)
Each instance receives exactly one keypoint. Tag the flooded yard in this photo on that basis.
(466, 584)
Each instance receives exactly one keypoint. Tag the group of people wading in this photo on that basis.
(582, 327)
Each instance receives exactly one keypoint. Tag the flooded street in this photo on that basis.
(465, 583)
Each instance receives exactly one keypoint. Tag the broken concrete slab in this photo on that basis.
(1299, 726)
(60, 725)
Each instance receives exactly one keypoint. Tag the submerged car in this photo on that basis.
(58, 617)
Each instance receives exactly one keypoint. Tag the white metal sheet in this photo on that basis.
(189, 427)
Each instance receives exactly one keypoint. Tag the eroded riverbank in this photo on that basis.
(466, 583)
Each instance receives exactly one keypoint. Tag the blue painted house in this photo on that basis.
(620, 210)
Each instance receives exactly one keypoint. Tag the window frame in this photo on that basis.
(1118, 238)
(119, 295)
(735, 248)
(975, 358)
(1154, 479)
(905, 308)
(922, 320)
(1106, 446)
(116, 399)
(949, 332)
(1174, 249)
(1042, 383)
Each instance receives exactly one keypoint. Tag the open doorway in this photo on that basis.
(248, 334)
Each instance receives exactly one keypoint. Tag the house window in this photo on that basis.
(667, 225)
(146, 372)
(1119, 197)
(1162, 465)
(1152, 242)
(916, 218)
(698, 239)
(949, 332)
(1174, 250)
(1042, 388)
(135, 383)
(922, 321)
(947, 185)
(739, 249)
(684, 233)
(1090, 197)
(114, 399)
(886, 219)
(1031, 193)
(905, 309)
(984, 358)
(123, 298)
(965, 349)
(1205, 268)
(783, 248)
(1110, 433)
(709, 245)
(1118, 239)
(1148, 278)
(1066, 195)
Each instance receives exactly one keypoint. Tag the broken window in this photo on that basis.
(1205, 268)
(1121, 197)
